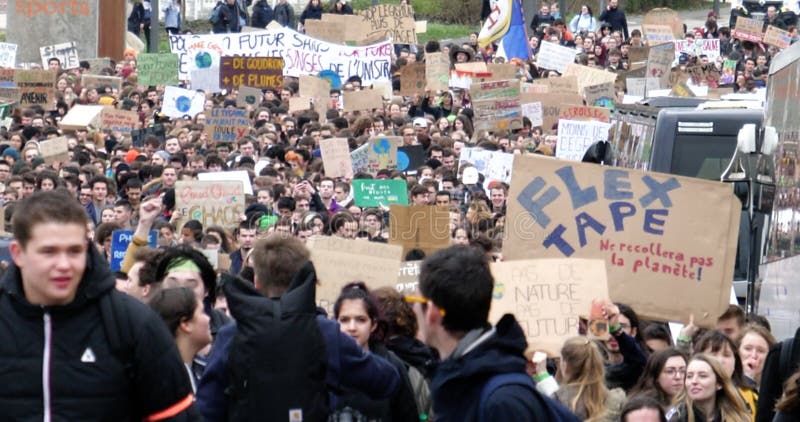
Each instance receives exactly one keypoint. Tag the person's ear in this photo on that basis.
(185, 326)
(15, 249)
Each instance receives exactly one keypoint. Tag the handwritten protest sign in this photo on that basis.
(412, 79)
(555, 57)
(318, 89)
(120, 239)
(302, 54)
(533, 111)
(97, 81)
(340, 261)
(239, 176)
(659, 63)
(578, 112)
(54, 150)
(576, 136)
(497, 105)
(336, 157)
(248, 96)
(638, 54)
(206, 80)
(656, 241)
(257, 72)
(8, 55)
(551, 107)
(380, 192)
(366, 99)
(354, 27)
(408, 277)
(121, 121)
(226, 124)
(212, 203)
(603, 95)
(588, 76)
(547, 296)
(360, 159)
(748, 29)
(66, 53)
(36, 87)
(493, 165)
(665, 16)
(777, 37)
(419, 227)
(437, 71)
(325, 30)
(382, 152)
(392, 21)
(179, 102)
(708, 47)
(157, 69)
(562, 85)
(658, 34)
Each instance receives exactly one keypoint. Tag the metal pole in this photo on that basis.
(716, 10)
(155, 26)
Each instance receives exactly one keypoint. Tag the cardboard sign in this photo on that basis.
(98, 64)
(339, 261)
(382, 152)
(8, 55)
(325, 30)
(658, 34)
(302, 55)
(777, 37)
(437, 71)
(212, 203)
(533, 111)
(588, 76)
(665, 16)
(748, 29)
(97, 81)
(36, 87)
(573, 112)
(392, 21)
(80, 117)
(257, 72)
(248, 96)
(425, 227)
(66, 53)
(366, 99)
(576, 136)
(32, 24)
(336, 157)
(655, 237)
(659, 64)
(355, 27)
(121, 121)
(638, 54)
(408, 278)
(603, 95)
(555, 57)
(551, 108)
(497, 105)
(547, 296)
(561, 85)
(226, 125)
(157, 69)
(493, 165)
(708, 47)
(120, 239)
(412, 79)
(380, 192)
(318, 89)
(179, 102)
(299, 104)
(54, 150)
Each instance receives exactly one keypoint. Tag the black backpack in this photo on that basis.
(278, 360)
(782, 361)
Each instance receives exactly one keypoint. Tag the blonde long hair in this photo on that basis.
(730, 404)
(585, 371)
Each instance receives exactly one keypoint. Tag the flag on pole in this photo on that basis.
(497, 22)
(506, 23)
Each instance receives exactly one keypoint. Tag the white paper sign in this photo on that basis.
(66, 53)
(576, 136)
(555, 57)
(703, 46)
(8, 55)
(533, 111)
(236, 176)
(179, 102)
(206, 80)
(302, 55)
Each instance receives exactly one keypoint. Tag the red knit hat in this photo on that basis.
(131, 155)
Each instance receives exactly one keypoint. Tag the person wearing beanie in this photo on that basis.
(131, 155)
(11, 153)
(160, 158)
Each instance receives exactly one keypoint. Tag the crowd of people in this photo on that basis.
(245, 341)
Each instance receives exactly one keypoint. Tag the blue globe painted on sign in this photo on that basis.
(202, 60)
(382, 146)
(332, 77)
(402, 161)
(183, 104)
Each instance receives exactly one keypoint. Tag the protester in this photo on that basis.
(313, 10)
(663, 378)
(172, 16)
(615, 17)
(753, 348)
(709, 394)
(724, 350)
(284, 14)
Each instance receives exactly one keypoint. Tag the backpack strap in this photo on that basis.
(501, 380)
(785, 362)
(121, 345)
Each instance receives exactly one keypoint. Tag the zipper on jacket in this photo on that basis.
(48, 340)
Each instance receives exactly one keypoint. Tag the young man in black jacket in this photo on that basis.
(615, 17)
(72, 346)
(456, 287)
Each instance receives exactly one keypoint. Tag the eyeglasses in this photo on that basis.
(671, 372)
(419, 299)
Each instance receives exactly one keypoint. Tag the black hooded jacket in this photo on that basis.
(458, 381)
(85, 379)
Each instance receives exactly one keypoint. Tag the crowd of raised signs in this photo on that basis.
(242, 168)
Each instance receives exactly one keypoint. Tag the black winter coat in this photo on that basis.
(262, 14)
(136, 18)
(616, 18)
(85, 381)
(228, 19)
(311, 12)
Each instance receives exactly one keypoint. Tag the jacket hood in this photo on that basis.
(502, 352)
(413, 352)
(97, 280)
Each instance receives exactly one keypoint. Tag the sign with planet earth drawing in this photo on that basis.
(179, 102)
